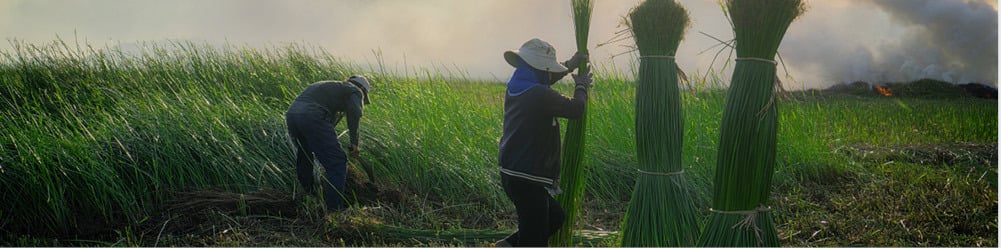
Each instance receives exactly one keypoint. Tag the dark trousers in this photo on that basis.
(314, 137)
(539, 215)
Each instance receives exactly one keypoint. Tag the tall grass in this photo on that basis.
(105, 135)
(92, 135)
(99, 135)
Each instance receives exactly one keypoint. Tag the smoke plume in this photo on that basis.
(954, 41)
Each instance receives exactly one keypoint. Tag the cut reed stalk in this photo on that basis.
(573, 164)
(660, 213)
(740, 215)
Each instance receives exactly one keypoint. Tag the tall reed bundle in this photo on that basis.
(572, 171)
(740, 215)
(660, 213)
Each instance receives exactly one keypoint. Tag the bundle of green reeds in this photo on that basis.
(740, 215)
(660, 213)
(572, 171)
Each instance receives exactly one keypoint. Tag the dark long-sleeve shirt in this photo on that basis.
(334, 99)
(530, 145)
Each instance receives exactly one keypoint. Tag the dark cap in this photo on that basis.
(362, 83)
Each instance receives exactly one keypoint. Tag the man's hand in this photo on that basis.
(574, 61)
(583, 78)
(355, 153)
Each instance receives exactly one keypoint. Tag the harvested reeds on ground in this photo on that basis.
(265, 201)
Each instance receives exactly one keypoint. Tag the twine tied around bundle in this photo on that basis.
(749, 221)
(758, 60)
(675, 173)
(657, 57)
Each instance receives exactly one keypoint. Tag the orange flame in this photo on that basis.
(886, 91)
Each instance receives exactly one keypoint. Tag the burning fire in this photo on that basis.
(886, 91)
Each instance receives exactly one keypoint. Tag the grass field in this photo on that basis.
(184, 144)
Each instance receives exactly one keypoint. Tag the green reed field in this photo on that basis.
(173, 144)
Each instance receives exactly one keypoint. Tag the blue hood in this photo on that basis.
(525, 77)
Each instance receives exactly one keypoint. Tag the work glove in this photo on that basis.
(574, 61)
(583, 78)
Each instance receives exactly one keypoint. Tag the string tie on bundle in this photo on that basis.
(748, 223)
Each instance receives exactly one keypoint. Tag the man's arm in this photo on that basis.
(561, 106)
(572, 108)
(353, 112)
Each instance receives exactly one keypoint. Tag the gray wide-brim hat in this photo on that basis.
(538, 54)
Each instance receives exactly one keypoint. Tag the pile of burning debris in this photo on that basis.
(928, 88)
(980, 90)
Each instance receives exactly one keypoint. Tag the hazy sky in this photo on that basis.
(835, 41)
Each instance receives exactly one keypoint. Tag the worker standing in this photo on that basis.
(529, 154)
